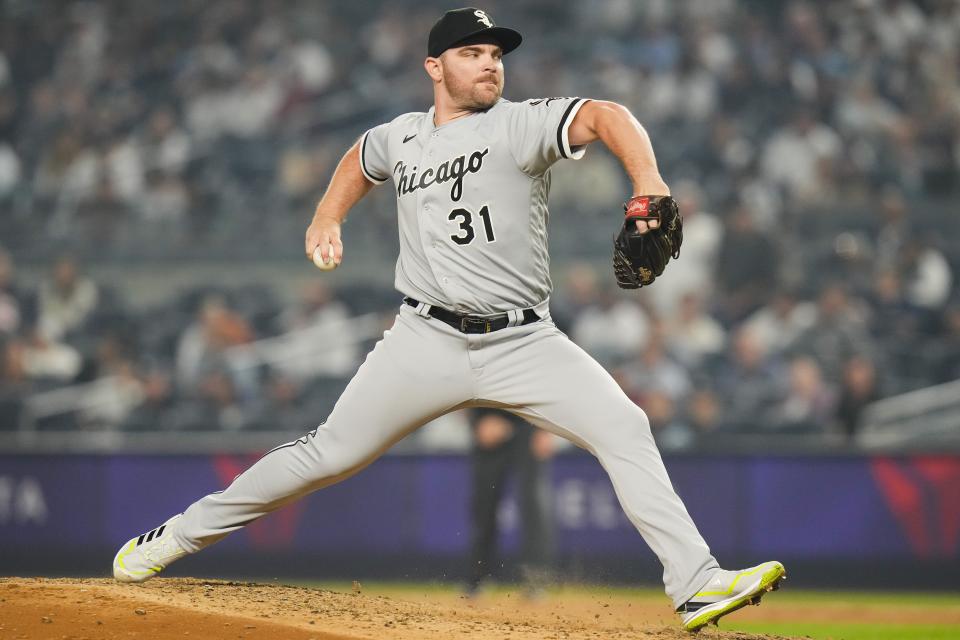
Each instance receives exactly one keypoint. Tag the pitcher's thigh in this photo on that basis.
(409, 378)
(558, 386)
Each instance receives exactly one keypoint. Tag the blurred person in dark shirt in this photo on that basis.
(859, 388)
(746, 266)
(704, 416)
(893, 319)
(503, 444)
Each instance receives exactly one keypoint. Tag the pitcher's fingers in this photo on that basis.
(310, 243)
(326, 248)
(337, 250)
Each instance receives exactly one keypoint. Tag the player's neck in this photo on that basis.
(442, 114)
(446, 110)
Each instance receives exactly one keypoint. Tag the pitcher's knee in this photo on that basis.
(625, 430)
(329, 460)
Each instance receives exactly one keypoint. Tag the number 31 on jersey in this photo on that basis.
(465, 218)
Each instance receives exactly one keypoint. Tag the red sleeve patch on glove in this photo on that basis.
(638, 207)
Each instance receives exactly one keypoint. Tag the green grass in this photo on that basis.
(893, 598)
(848, 631)
(917, 603)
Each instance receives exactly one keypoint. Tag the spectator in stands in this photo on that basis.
(66, 300)
(860, 387)
(283, 405)
(929, 279)
(861, 111)
(692, 335)
(808, 406)
(607, 326)
(157, 409)
(704, 416)
(10, 167)
(214, 405)
(164, 146)
(702, 235)
(15, 385)
(894, 228)
(99, 215)
(117, 397)
(321, 316)
(794, 156)
(893, 319)
(13, 376)
(838, 334)
(221, 403)
(670, 431)
(746, 266)
(203, 345)
(749, 383)
(778, 323)
(40, 358)
(13, 300)
(653, 370)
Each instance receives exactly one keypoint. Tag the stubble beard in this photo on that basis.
(470, 96)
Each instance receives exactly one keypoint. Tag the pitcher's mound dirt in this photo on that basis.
(167, 608)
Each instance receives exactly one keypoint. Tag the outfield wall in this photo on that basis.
(855, 521)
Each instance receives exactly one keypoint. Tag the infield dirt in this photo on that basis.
(167, 608)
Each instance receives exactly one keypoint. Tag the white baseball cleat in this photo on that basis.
(145, 556)
(728, 591)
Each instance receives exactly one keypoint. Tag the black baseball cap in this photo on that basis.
(459, 24)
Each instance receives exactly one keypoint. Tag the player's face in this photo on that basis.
(473, 75)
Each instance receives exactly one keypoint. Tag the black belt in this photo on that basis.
(474, 324)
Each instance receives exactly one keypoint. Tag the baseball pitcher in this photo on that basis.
(471, 178)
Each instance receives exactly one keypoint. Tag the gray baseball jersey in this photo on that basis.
(472, 201)
(472, 204)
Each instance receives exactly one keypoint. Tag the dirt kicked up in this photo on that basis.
(167, 608)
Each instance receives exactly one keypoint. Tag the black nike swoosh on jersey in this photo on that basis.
(407, 139)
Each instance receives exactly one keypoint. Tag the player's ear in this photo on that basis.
(434, 68)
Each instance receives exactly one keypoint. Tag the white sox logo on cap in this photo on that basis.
(457, 25)
(483, 18)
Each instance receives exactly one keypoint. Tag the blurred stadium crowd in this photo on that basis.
(814, 148)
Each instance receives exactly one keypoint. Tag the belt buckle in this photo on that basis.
(467, 321)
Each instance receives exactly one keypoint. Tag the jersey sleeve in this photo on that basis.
(538, 132)
(374, 159)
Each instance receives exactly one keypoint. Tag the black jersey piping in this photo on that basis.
(563, 120)
(363, 160)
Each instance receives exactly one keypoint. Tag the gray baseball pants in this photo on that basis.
(423, 368)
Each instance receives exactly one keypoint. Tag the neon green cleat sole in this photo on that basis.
(766, 580)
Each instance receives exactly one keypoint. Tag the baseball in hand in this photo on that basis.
(329, 265)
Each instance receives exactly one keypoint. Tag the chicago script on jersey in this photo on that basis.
(454, 169)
